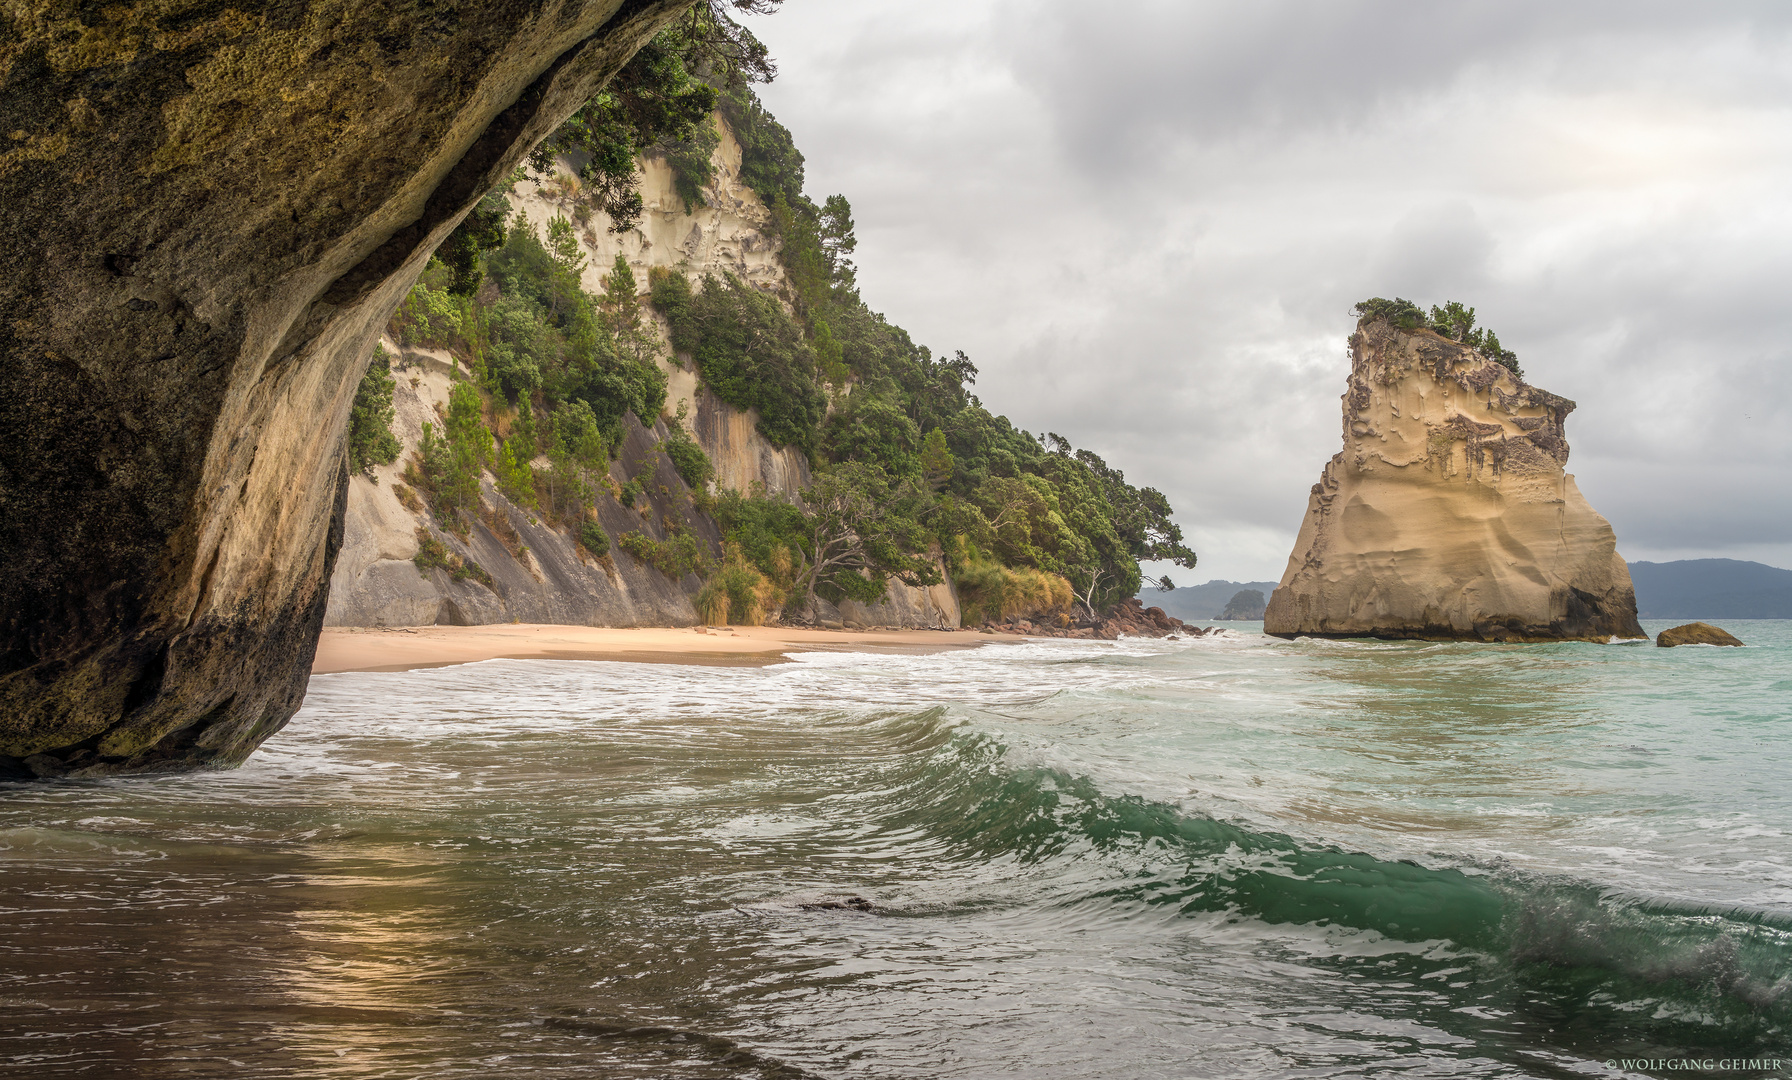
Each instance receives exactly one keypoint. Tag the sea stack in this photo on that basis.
(1448, 515)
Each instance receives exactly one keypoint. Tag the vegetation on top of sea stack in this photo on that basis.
(1453, 320)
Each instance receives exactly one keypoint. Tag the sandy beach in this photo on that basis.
(404, 648)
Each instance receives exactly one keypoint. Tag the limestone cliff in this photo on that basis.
(550, 580)
(210, 211)
(538, 574)
(728, 233)
(1448, 514)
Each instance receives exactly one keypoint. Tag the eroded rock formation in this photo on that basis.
(210, 210)
(1448, 514)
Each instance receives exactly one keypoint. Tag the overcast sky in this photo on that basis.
(1146, 223)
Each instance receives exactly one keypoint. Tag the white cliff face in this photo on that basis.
(1448, 514)
(549, 580)
(728, 234)
(376, 583)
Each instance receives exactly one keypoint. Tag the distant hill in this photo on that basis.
(1687, 589)
(1201, 601)
(1709, 589)
(1246, 604)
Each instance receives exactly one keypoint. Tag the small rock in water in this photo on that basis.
(1694, 633)
(851, 903)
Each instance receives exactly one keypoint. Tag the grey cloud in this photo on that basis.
(1147, 223)
(1438, 250)
(1125, 79)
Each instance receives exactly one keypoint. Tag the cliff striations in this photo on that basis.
(1448, 514)
(210, 211)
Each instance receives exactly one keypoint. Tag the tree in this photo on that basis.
(752, 354)
(834, 231)
(873, 428)
(653, 98)
(522, 346)
(661, 100)
(516, 479)
(563, 245)
(450, 466)
(621, 303)
(576, 448)
(936, 461)
(864, 530)
(370, 438)
(576, 435)
(1027, 521)
(1403, 313)
(1454, 321)
(482, 230)
(466, 424)
(829, 356)
(1141, 516)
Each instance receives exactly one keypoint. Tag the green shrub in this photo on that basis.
(988, 590)
(516, 478)
(370, 438)
(688, 458)
(655, 100)
(675, 556)
(480, 231)
(752, 354)
(737, 594)
(669, 291)
(432, 554)
(1453, 320)
(690, 461)
(592, 535)
(872, 427)
(765, 531)
(1403, 313)
(711, 603)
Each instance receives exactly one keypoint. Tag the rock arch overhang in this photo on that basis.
(206, 212)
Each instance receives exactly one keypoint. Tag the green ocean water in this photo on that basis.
(1227, 857)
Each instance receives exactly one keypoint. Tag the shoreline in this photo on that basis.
(343, 649)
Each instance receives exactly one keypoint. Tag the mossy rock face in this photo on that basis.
(210, 211)
(1696, 633)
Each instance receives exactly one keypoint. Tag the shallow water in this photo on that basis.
(1232, 857)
